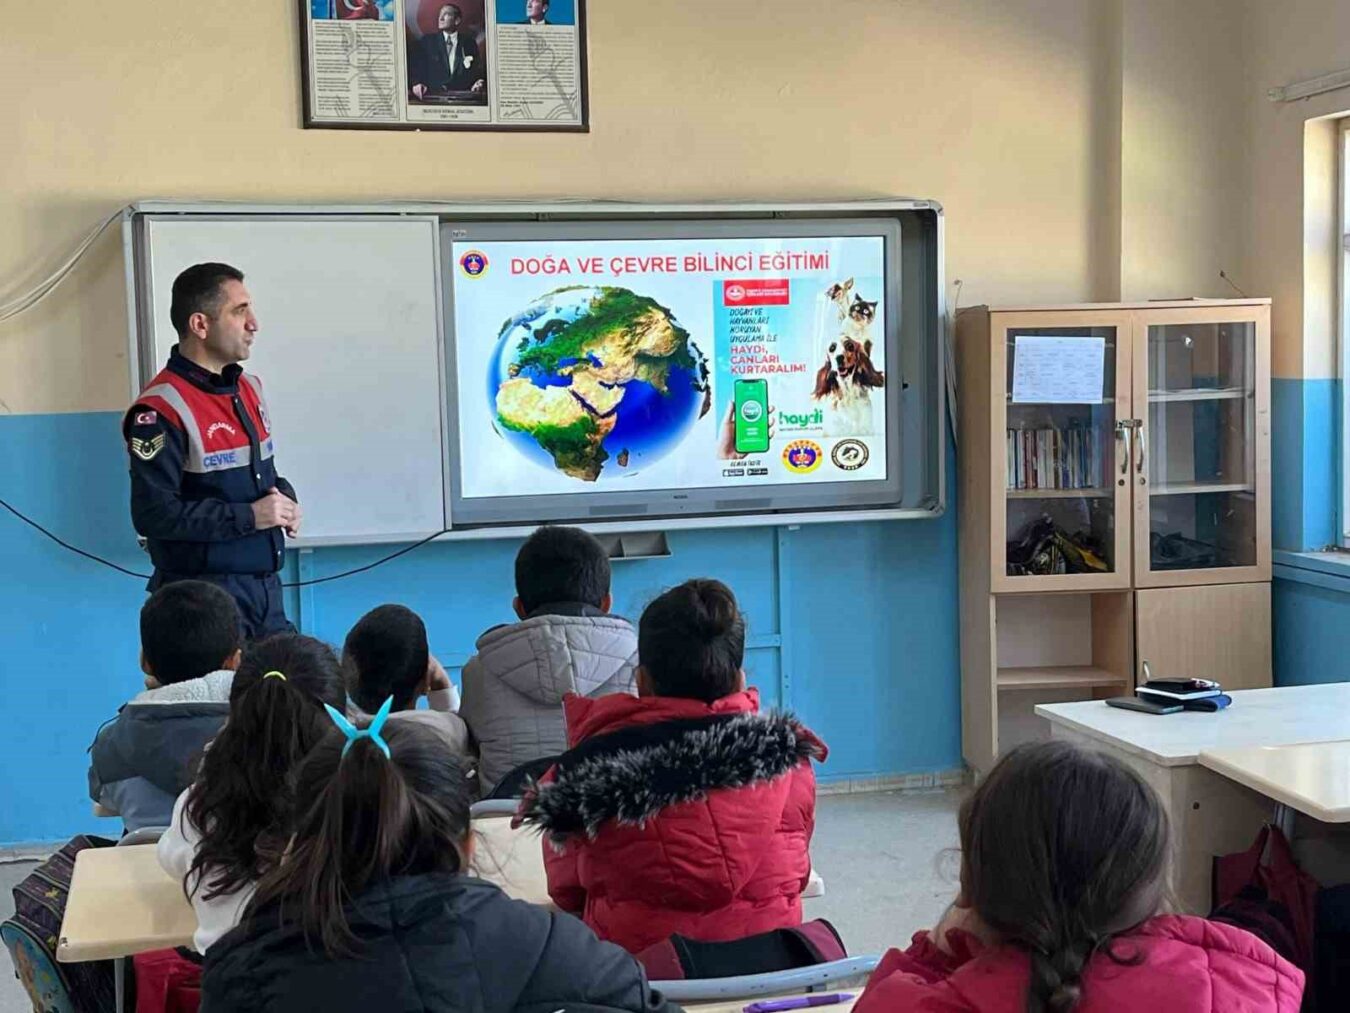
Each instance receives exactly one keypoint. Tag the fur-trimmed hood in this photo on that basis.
(631, 774)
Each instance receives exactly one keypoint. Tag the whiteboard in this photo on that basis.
(348, 350)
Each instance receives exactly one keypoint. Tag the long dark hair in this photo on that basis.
(691, 641)
(238, 800)
(1062, 848)
(363, 818)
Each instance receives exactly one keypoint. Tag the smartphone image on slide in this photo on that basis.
(751, 398)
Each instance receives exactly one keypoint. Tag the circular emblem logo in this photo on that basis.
(474, 263)
(849, 455)
(752, 411)
(735, 293)
(801, 456)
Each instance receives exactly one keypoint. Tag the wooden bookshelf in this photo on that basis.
(1184, 408)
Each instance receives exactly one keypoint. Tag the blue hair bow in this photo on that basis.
(371, 731)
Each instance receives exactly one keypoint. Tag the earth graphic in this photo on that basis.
(596, 382)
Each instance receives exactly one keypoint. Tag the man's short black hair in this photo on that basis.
(385, 655)
(197, 290)
(188, 628)
(691, 641)
(557, 565)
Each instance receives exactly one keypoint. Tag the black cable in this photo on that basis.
(66, 545)
(369, 566)
(145, 576)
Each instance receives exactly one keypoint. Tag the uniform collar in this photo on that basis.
(224, 382)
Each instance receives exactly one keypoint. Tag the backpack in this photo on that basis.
(31, 936)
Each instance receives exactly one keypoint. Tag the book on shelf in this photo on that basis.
(1052, 458)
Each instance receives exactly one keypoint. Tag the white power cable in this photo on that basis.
(30, 299)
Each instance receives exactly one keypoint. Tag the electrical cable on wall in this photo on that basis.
(145, 576)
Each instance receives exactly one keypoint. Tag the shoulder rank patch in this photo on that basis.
(147, 449)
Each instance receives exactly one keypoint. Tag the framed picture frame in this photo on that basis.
(515, 65)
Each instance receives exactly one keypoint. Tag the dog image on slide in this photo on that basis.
(845, 382)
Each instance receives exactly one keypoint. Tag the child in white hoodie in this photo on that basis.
(230, 826)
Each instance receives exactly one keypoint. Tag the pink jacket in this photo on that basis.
(1188, 965)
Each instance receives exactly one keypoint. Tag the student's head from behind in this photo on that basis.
(212, 312)
(188, 628)
(691, 643)
(239, 798)
(559, 565)
(1062, 847)
(364, 817)
(386, 655)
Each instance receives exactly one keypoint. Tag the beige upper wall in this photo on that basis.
(986, 106)
(1183, 148)
(1290, 232)
(1026, 118)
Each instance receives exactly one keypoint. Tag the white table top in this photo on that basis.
(1313, 777)
(1284, 716)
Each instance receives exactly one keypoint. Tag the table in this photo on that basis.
(1211, 814)
(1312, 778)
(737, 1005)
(121, 902)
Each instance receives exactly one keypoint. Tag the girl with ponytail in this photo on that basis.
(1064, 855)
(683, 810)
(229, 827)
(371, 907)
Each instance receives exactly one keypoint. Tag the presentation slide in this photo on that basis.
(591, 365)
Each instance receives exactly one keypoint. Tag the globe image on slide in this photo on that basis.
(596, 382)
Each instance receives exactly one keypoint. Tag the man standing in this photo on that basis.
(448, 59)
(205, 492)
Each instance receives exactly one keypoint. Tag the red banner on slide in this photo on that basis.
(755, 292)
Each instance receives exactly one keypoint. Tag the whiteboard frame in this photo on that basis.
(139, 355)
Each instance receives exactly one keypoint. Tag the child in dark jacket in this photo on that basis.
(684, 810)
(370, 910)
(190, 647)
(1063, 861)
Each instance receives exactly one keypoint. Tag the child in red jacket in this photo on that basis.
(1064, 857)
(683, 810)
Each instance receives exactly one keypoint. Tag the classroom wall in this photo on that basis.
(1064, 147)
(1293, 232)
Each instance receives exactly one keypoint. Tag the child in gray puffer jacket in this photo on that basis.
(566, 642)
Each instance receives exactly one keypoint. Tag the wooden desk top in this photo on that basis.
(121, 902)
(1288, 715)
(1313, 778)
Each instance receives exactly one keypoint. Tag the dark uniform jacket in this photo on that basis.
(200, 445)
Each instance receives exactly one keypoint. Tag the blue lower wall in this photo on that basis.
(854, 626)
(1305, 471)
(1309, 610)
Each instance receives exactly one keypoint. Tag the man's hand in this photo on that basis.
(293, 528)
(419, 91)
(726, 436)
(275, 510)
(478, 86)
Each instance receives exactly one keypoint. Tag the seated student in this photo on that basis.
(684, 810)
(1064, 853)
(566, 642)
(386, 655)
(371, 909)
(228, 828)
(139, 761)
